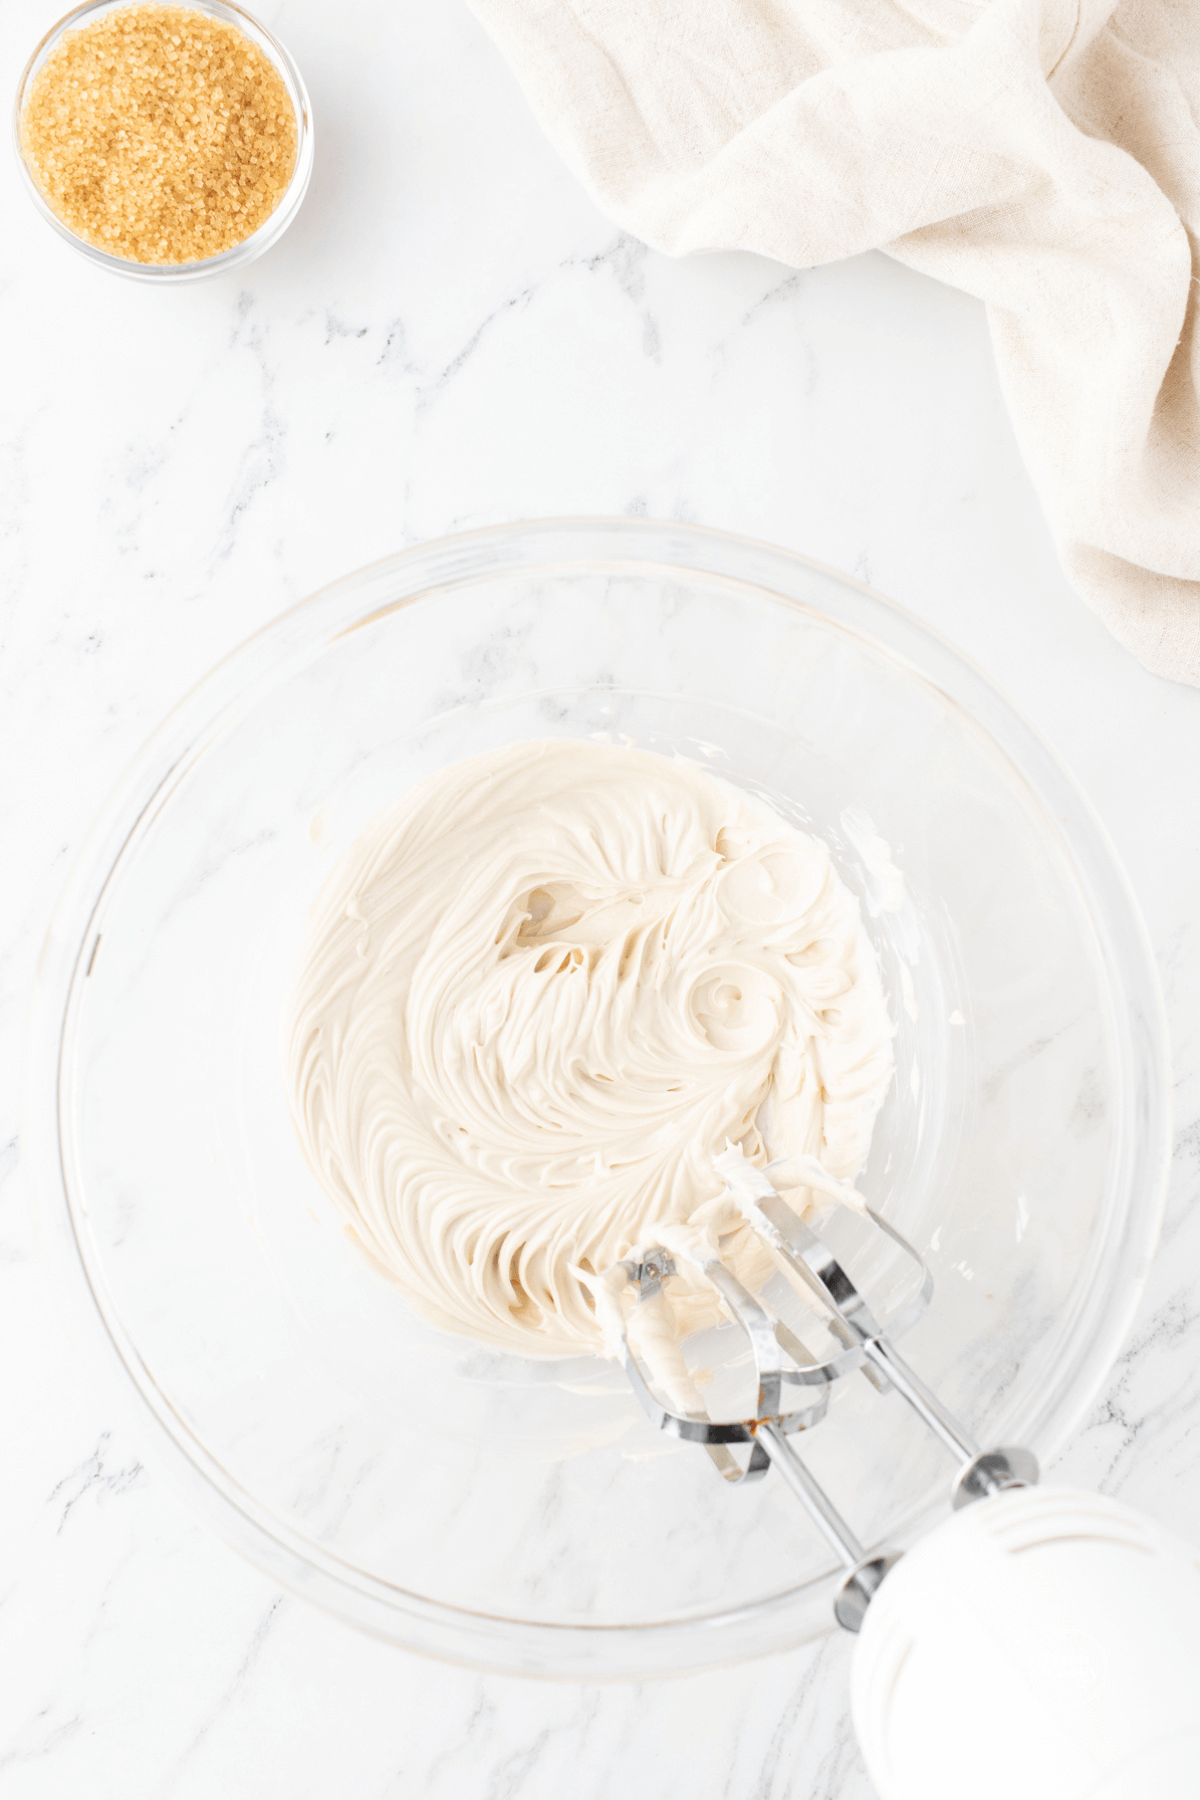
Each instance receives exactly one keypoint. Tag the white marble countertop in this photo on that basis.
(451, 335)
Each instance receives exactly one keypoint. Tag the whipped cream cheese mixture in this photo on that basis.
(540, 994)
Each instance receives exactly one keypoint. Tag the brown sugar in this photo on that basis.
(159, 134)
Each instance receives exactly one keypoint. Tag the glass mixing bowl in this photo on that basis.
(521, 1515)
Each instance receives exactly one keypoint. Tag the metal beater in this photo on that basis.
(783, 1365)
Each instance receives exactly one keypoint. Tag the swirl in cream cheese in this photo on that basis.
(540, 993)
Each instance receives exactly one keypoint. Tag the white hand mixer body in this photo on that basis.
(1040, 1642)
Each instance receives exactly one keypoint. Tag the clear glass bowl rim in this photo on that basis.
(271, 229)
(506, 1645)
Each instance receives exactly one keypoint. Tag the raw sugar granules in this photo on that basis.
(159, 134)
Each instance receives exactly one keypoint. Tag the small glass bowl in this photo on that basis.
(268, 232)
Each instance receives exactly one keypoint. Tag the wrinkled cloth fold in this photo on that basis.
(1043, 155)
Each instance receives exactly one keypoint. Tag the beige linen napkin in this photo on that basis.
(1042, 154)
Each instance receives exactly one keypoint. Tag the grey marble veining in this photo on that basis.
(451, 335)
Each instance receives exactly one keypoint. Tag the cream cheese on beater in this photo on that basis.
(540, 994)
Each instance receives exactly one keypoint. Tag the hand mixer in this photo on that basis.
(1039, 1642)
